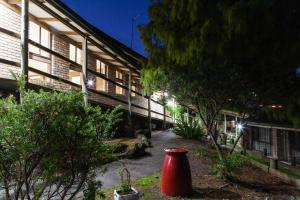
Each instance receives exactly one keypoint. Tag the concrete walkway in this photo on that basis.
(146, 165)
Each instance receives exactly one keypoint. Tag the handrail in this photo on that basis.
(8, 62)
(50, 51)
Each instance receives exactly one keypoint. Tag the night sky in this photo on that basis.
(114, 17)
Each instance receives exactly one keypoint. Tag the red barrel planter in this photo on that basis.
(176, 174)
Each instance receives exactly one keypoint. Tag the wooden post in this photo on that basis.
(149, 117)
(24, 43)
(236, 128)
(173, 114)
(130, 125)
(84, 70)
(225, 125)
(129, 93)
(164, 122)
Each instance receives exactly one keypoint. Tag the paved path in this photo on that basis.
(146, 165)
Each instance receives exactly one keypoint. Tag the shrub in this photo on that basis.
(233, 162)
(51, 144)
(189, 130)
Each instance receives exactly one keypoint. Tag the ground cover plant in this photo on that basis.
(51, 143)
(188, 129)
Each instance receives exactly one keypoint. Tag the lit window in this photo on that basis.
(133, 88)
(101, 84)
(39, 59)
(40, 36)
(75, 76)
(119, 80)
(75, 54)
(119, 75)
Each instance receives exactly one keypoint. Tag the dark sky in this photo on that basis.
(114, 17)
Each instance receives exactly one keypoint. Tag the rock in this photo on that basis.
(144, 140)
(136, 151)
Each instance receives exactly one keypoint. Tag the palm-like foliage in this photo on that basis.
(188, 129)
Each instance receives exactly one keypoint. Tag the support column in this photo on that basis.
(129, 93)
(164, 122)
(149, 117)
(225, 124)
(236, 129)
(130, 125)
(24, 43)
(174, 113)
(84, 70)
(288, 146)
(274, 143)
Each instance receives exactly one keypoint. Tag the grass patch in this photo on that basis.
(147, 181)
(144, 185)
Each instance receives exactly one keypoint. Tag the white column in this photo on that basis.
(24, 41)
(149, 115)
(225, 124)
(84, 70)
(236, 128)
(129, 92)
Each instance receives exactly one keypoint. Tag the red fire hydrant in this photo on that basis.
(176, 174)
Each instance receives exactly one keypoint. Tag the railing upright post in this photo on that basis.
(149, 116)
(130, 125)
(164, 122)
(129, 93)
(24, 42)
(84, 70)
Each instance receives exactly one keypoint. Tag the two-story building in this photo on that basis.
(66, 52)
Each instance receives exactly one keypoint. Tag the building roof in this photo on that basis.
(132, 56)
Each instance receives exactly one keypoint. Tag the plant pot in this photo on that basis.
(132, 196)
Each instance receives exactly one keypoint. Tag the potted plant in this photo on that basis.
(125, 190)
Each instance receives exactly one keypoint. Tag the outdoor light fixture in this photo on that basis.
(90, 83)
(239, 126)
(170, 103)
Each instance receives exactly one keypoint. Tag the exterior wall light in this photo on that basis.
(90, 83)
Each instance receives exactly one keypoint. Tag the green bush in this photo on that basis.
(189, 130)
(234, 162)
(51, 144)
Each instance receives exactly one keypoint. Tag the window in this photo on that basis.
(101, 84)
(119, 80)
(75, 76)
(38, 58)
(75, 54)
(133, 88)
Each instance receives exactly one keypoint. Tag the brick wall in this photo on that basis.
(9, 46)
(59, 66)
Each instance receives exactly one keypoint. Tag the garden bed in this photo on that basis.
(251, 183)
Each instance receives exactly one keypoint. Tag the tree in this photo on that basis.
(51, 144)
(216, 55)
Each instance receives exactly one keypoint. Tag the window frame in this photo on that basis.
(133, 88)
(99, 70)
(75, 54)
(38, 56)
(119, 76)
(40, 42)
